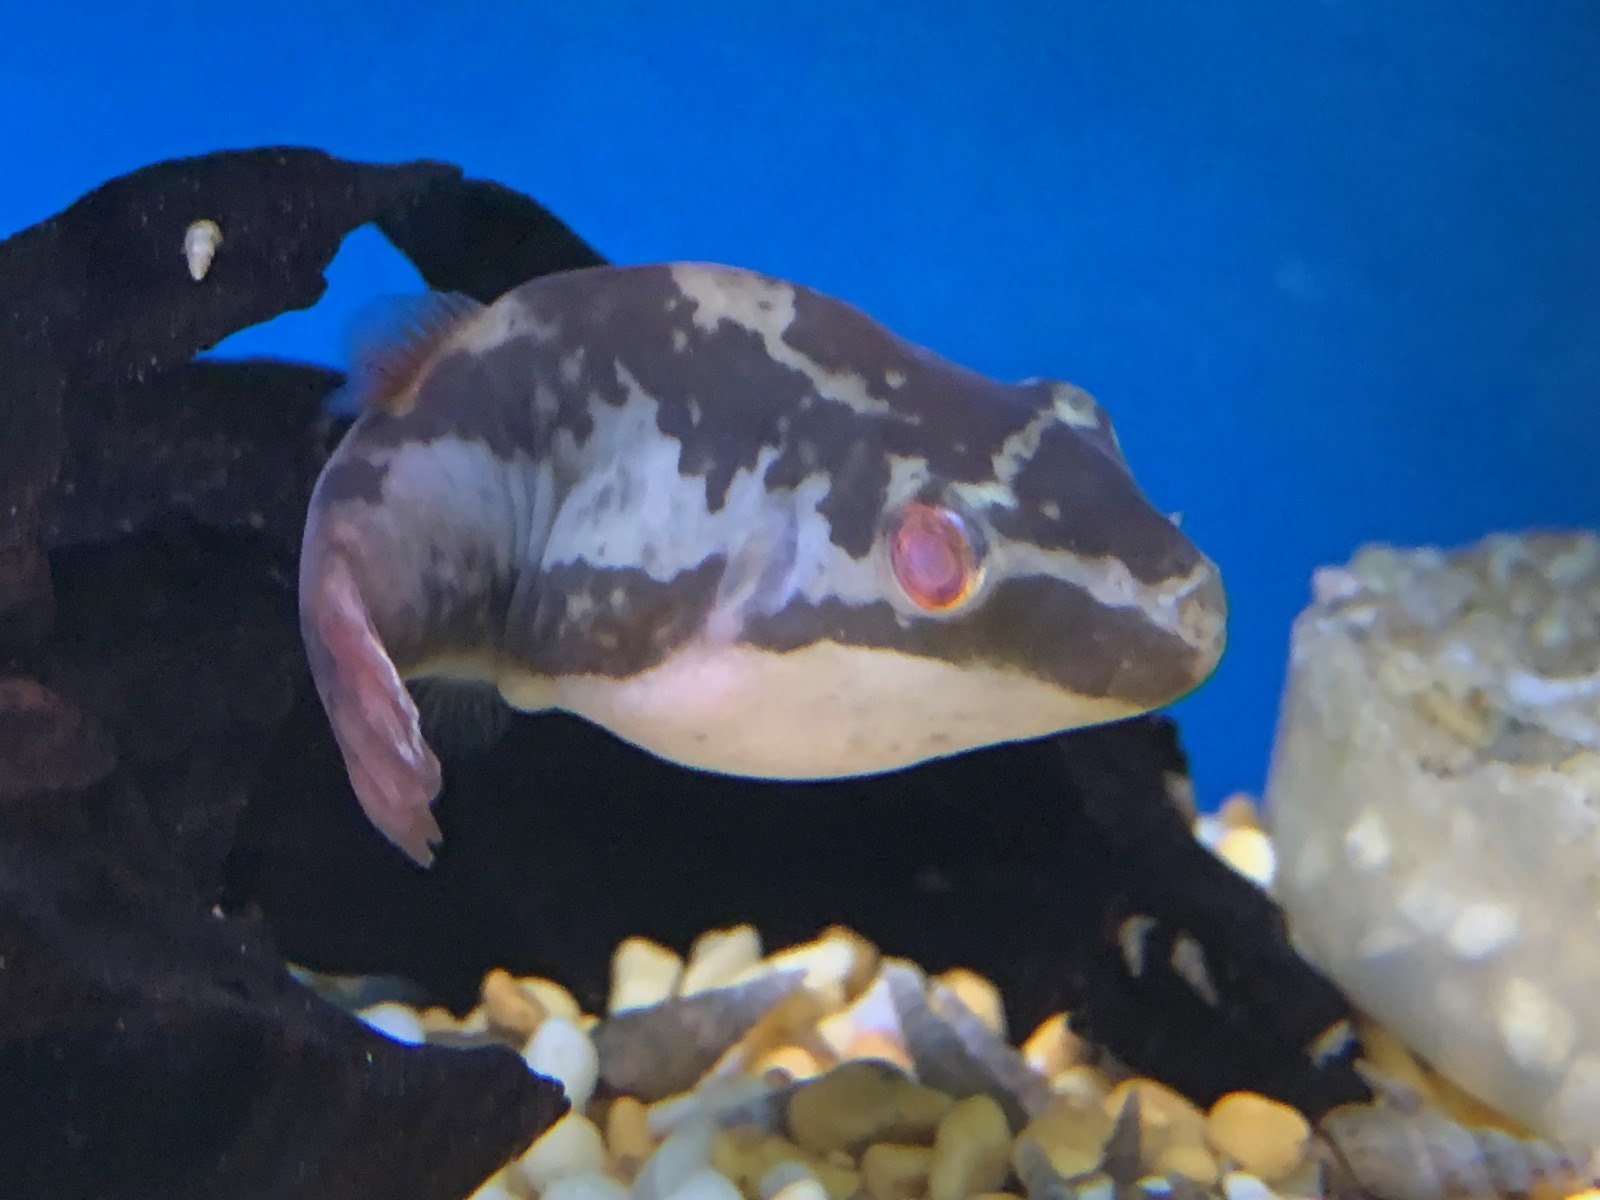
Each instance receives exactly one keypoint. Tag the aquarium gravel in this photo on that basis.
(830, 1070)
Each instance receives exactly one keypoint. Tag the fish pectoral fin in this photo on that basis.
(394, 773)
(460, 716)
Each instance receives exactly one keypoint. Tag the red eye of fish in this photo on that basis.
(933, 557)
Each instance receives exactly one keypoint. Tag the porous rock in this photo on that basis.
(1432, 800)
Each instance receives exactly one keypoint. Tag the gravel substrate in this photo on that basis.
(830, 1070)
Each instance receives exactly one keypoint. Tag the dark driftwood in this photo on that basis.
(149, 510)
(152, 689)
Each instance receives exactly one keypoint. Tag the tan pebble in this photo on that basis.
(1053, 1047)
(970, 1150)
(980, 996)
(1249, 852)
(1166, 1118)
(1239, 811)
(793, 1062)
(552, 997)
(642, 973)
(719, 956)
(509, 1006)
(444, 1028)
(792, 1019)
(1190, 1161)
(734, 1152)
(1072, 1137)
(892, 1171)
(747, 1155)
(1262, 1136)
(1082, 1085)
(861, 1102)
(570, 1146)
(837, 965)
(628, 1136)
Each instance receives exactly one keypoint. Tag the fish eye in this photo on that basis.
(936, 556)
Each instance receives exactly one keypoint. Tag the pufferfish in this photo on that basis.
(735, 522)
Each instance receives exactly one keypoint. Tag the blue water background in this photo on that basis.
(1334, 267)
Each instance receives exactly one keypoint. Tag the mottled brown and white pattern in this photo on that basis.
(658, 497)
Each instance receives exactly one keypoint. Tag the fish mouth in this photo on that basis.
(1202, 620)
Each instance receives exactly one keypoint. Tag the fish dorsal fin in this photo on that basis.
(392, 344)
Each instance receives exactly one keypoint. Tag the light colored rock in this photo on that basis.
(1260, 1135)
(839, 1181)
(569, 1147)
(980, 996)
(497, 1189)
(1237, 1185)
(395, 1021)
(1431, 799)
(718, 957)
(867, 1027)
(837, 965)
(444, 1028)
(1250, 852)
(683, 1155)
(970, 1150)
(705, 1184)
(861, 1102)
(756, 1101)
(586, 1185)
(562, 1051)
(642, 973)
(790, 1180)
